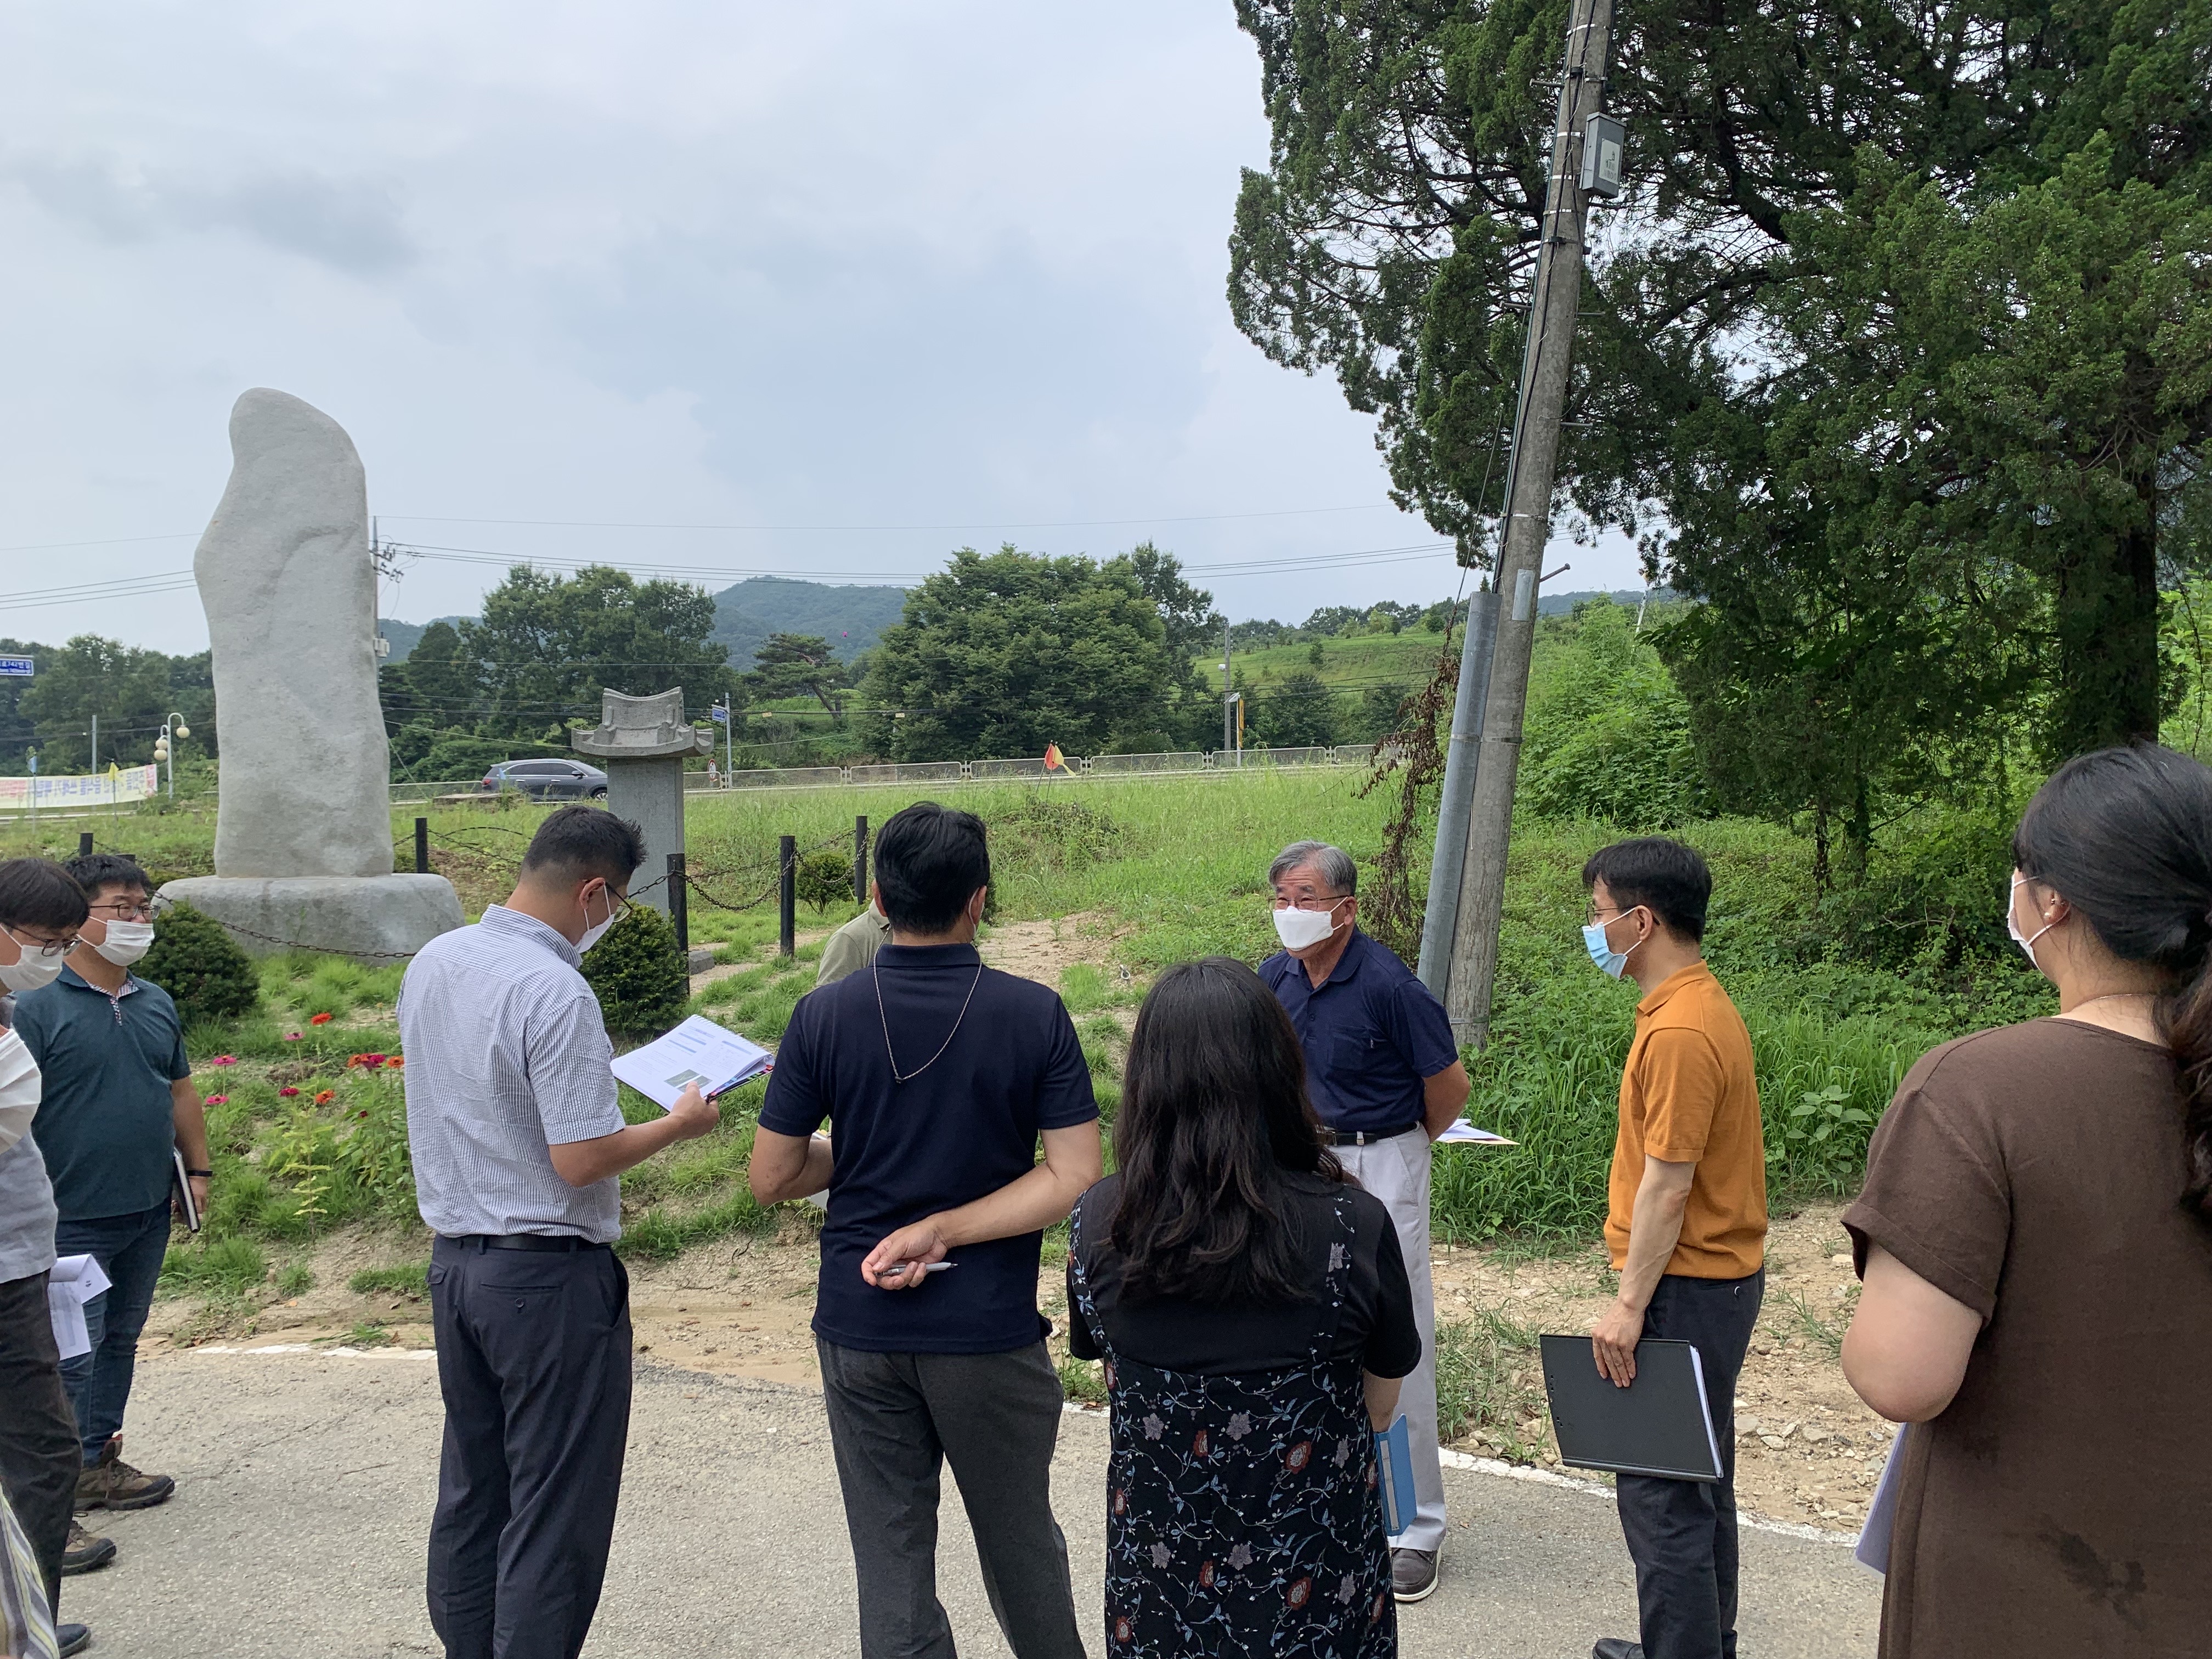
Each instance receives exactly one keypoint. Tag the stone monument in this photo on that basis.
(642, 743)
(303, 824)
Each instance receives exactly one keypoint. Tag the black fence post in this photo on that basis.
(679, 910)
(421, 847)
(860, 860)
(84, 843)
(787, 895)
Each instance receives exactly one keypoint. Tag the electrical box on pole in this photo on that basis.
(1555, 298)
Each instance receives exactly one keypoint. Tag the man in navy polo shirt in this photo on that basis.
(939, 1076)
(1386, 1079)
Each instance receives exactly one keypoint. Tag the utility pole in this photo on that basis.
(1448, 861)
(1555, 297)
(1226, 698)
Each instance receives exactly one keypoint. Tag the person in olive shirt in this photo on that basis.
(1685, 1225)
(119, 1102)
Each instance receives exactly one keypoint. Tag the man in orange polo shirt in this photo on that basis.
(1686, 1225)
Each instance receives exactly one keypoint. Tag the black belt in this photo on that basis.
(565, 1242)
(1363, 1137)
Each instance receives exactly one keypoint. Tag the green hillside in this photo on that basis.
(850, 619)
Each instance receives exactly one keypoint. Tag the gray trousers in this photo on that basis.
(895, 1419)
(1397, 1171)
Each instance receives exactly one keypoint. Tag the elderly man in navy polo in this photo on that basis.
(1386, 1078)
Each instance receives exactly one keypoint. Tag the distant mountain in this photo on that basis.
(406, 636)
(851, 618)
(1558, 605)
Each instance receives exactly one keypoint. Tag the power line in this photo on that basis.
(971, 524)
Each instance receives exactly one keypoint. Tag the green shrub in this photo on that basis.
(639, 976)
(199, 964)
(413, 1279)
(823, 879)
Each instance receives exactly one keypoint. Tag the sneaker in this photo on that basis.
(83, 1552)
(71, 1638)
(1412, 1573)
(112, 1484)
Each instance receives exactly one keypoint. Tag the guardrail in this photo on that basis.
(1180, 762)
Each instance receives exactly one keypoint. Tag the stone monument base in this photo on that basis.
(375, 918)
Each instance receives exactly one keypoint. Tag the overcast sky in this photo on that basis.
(952, 273)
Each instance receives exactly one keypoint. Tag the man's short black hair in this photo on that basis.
(930, 859)
(97, 869)
(39, 893)
(1670, 878)
(579, 843)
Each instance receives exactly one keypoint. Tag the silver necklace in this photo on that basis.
(876, 970)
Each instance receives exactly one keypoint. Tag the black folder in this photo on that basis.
(1658, 1425)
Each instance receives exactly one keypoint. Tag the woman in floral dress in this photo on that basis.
(1253, 1311)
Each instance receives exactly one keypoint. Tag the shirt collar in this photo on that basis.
(500, 919)
(1348, 965)
(1664, 991)
(929, 956)
(70, 977)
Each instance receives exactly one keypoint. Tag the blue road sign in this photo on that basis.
(719, 715)
(17, 667)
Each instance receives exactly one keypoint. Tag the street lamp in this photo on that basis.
(163, 750)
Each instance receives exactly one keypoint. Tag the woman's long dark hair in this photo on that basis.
(2125, 837)
(1213, 1117)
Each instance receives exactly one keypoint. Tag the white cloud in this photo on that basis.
(840, 264)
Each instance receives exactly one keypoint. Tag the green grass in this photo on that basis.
(1408, 659)
(412, 1280)
(224, 1269)
(1489, 1383)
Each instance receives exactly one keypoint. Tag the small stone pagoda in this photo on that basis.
(642, 743)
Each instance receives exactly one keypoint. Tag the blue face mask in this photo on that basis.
(1611, 961)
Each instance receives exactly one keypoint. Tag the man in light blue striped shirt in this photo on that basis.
(518, 1146)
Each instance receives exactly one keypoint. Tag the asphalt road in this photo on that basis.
(305, 1483)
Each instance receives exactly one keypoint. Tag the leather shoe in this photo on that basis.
(71, 1638)
(1412, 1573)
(1612, 1647)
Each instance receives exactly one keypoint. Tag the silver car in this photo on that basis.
(548, 779)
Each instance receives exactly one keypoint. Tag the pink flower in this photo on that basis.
(224, 1059)
(292, 1036)
(218, 1100)
(288, 1090)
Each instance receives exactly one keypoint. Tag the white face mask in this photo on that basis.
(19, 1089)
(2027, 942)
(1301, 930)
(39, 964)
(593, 931)
(126, 942)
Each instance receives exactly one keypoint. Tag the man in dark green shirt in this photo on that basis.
(118, 1104)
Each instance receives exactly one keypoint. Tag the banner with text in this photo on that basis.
(116, 786)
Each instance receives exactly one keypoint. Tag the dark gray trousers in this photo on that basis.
(1681, 1533)
(534, 1364)
(39, 1456)
(895, 1420)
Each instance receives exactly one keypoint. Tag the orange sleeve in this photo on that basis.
(1681, 1083)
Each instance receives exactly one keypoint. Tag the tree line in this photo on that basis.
(1897, 356)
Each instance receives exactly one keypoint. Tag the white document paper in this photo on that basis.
(1462, 1133)
(1873, 1550)
(697, 1051)
(74, 1280)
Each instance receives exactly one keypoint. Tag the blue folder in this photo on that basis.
(1393, 1458)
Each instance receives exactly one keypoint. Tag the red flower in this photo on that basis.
(1120, 1500)
(224, 1059)
(1198, 1444)
(1206, 1575)
(288, 1090)
(1122, 1629)
(361, 1114)
(395, 1062)
(320, 1019)
(218, 1100)
(1299, 1456)
(326, 1096)
(1299, 1593)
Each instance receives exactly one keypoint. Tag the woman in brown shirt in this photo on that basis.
(2036, 1245)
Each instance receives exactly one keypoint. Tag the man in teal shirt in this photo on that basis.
(118, 1104)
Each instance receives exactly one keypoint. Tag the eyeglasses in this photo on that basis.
(1329, 902)
(48, 949)
(1596, 915)
(125, 909)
